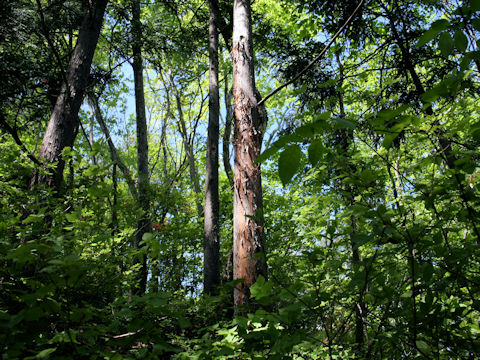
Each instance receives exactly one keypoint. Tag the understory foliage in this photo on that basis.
(371, 186)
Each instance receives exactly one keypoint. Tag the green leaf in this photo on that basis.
(427, 272)
(386, 115)
(423, 346)
(388, 140)
(466, 61)
(33, 218)
(316, 151)
(446, 44)
(147, 237)
(441, 89)
(427, 36)
(45, 353)
(92, 170)
(289, 163)
(395, 131)
(432, 33)
(67, 152)
(277, 146)
(461, 41)
(261, 288)
(71, 217)
(345, 123)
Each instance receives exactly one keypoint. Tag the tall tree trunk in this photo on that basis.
(211, 240)
(227, 132)
(63, 122)
(142, 146)
(347, 138)
(114, 224)
(90, 134)
(248, 235)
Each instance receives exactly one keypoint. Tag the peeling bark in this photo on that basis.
(248, 233)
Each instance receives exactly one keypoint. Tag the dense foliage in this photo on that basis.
(370, 171)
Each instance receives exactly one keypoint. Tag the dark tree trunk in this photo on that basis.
(61, 129)
(143, 224)
(248, 235)
(227, 132)
(211, 244)
(347, 138)
(115, 201)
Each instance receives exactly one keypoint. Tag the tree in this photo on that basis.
(249, 260)
(212, 205)
(63, 125)
(143, 225)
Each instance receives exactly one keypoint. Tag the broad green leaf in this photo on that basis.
(277, 146)
(437, 91)
(393, 133)
(71, 217)
(92, 170)
(345, 123)
(367, 176)
(440, 24)
(67, 151)
(316, 151)
(445, 44)
(427, 36)
(388, 139)
(423, 346)
(432, 33)
(386, 115)
(466, 61)
(261, 288)
(45, 353)
(147, 237)
(427, 272)
(289, 163)
(291, 312)
(33, 218)
(461, 41)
